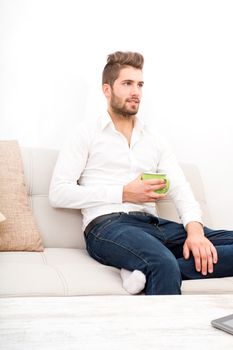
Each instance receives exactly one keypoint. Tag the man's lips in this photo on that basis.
(135, 100)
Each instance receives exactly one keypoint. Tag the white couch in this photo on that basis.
(65, 268)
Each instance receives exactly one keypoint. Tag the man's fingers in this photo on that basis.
(210, 261)
(153, 182)
(205, 260)
(210, 257)
(186, 251)
(214, 254)
(204, 253)
(153, 198)
(197, 259)
(154, 187)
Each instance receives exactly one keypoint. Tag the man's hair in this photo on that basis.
(119, 60)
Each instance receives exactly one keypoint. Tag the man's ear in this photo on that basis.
(106, 90)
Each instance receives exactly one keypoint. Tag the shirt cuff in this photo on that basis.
(114, 194)
(186, 219)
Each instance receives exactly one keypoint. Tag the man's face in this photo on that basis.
(126, 93)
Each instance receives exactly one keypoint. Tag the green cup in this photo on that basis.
(149, 176)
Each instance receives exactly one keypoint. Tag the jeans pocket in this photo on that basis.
(101, 228)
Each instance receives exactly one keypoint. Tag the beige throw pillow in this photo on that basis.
(19, 231)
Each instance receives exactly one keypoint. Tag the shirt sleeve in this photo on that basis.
(65, 191)
(180, 191)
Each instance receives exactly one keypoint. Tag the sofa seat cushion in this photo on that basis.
(208, 286)
(56, 272)
(71, 272)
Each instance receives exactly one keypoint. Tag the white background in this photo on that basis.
(51, 58)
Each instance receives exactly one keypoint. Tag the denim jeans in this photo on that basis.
(155, 247)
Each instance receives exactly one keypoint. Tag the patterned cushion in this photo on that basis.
(19, 231)
(2, 217)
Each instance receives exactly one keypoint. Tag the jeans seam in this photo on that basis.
(122, 246)
(104, 224)
(96, 255)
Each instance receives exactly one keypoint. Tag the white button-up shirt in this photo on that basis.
(97, 162)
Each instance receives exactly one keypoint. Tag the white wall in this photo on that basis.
(52, 56)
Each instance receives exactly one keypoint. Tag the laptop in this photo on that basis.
(224, 323)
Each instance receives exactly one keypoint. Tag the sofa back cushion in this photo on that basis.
(59, 227)
(63, 227)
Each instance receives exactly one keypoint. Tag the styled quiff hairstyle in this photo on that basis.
(119, 60)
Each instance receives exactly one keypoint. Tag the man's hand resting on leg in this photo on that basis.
(204, 252)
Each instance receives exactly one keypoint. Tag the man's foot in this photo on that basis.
(133, 281)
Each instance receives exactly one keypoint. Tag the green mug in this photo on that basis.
(149, 176)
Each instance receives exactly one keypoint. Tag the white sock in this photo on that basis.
(133, 281)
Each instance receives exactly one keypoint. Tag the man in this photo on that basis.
(100, 171)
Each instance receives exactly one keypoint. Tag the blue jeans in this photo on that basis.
(155, 247)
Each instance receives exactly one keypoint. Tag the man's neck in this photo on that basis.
(123, 124)
(121, 121)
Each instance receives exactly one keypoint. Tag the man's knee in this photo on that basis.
(166, 266)
(163, 276)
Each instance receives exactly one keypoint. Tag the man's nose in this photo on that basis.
(135, 90)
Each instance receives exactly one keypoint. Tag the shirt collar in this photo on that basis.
(105, 120)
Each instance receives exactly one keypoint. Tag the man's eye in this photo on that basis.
(127, 83)
(140, 85)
